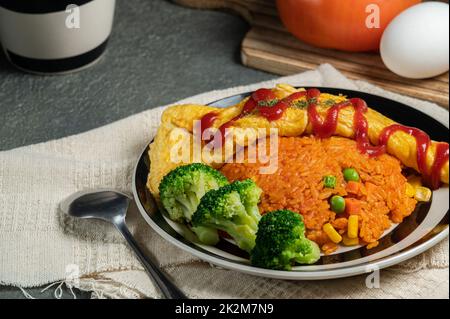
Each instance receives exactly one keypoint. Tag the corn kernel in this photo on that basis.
(423, 194)
(332, 233)
(410, 190)
(352, 228)
(415, 181)
(350, 241)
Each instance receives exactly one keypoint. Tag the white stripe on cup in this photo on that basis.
(46, 36)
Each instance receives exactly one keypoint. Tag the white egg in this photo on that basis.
(416, 43)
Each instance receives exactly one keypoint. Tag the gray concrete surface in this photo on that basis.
(158, 53)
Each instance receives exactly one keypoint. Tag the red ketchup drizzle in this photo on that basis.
(262, 98)
(207, 121)
(362, 130)
(295, 96)
(327, 127)
(271, 113)
(432, 177)
(314, 117)
(422, 140)
(258, 96)
(263, 95)
(441, 157)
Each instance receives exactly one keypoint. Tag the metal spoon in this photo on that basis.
(111, 206)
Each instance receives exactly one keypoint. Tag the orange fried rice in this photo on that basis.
(298, 185)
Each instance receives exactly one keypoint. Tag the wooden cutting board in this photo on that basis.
(268, 46)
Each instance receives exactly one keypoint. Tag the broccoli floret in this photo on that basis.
(234, 209)
(181, 190)
(206, 235)
(281, 241)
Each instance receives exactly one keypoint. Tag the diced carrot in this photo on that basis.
(352, 206)
(353, 187)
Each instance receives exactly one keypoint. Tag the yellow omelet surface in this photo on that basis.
(176, 132)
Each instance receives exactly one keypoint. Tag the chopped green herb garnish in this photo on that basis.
(314, 100)
(329, 181)
(268, 103)
(301, 104)
(329, 102)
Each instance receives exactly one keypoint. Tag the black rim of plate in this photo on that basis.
(398, 112)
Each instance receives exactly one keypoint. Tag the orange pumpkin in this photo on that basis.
(349, 25)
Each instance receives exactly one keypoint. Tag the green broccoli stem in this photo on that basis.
(243, 235)
(253, 217)
(206, 235)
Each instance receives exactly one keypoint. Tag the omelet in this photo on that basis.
(175, 138)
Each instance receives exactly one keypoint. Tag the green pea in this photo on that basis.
(337, 204)
(350, 174)
(329, 181)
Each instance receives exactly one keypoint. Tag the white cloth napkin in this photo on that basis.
(38, 245)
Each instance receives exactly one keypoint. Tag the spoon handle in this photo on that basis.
(167, 287)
